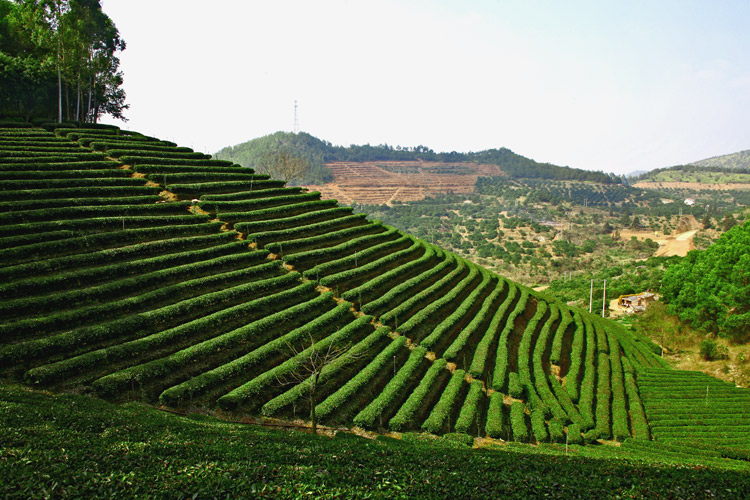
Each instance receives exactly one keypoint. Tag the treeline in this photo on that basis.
(691, 168)
(319, 152)
(58, 61)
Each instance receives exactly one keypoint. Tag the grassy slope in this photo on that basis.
(740, 159)
(75, 446)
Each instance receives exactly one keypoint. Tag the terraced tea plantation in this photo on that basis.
(135, 269)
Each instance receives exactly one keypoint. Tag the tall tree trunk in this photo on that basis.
(78, 98)
(59, 80)
(67, 102)
(88, 106)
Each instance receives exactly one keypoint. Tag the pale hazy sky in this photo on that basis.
(600, 85)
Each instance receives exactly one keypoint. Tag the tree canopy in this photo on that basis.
(58, 60)
(710, 289)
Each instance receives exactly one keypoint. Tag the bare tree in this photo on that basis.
(282, 165)
(314, 358)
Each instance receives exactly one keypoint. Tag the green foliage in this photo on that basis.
(538, 426)
(156, 160)
(75, 41)
(710, 289)
(349, 390)
(262, 238)
(359, 258)
(450, 327)
(275, 347)
(302, 244)
(479, 362)
(439, 420)
(495, 427)
(424, 320)
(403, 292)
(556, 431)
(368, 416)
(125, 326)
(290, 222)
(574, 434)
(228, 460)
(250, 392)
(711, 350)
(96, 241)
(518, 421)
(500, 376)
(308, 259)
(198, 189)
(350, 278)
(335, 367)
(254, 154)
(403, 419)
(515, 388)
(467, 421)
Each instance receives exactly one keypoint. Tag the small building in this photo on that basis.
(636, 302)
(689, 202)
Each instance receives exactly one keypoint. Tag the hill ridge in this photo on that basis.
(319, 153)
(738, 160)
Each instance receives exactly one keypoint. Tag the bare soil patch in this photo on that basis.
(382, 182)
(677, 244)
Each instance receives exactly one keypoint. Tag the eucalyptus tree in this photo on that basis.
(78, 40)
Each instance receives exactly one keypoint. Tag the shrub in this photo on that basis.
(574, 434)
(518, 421)
(556, 432)
(403, 418)
(351, 388)
(367, 417)
(479, 362)
(470, 409)
(515, 389)
(712, 350)
(538, 426)
(439, 419)
(495, 425)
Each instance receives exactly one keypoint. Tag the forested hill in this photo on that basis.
(739, 160)
(319, 152)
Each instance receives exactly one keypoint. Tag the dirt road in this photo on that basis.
(680, 245)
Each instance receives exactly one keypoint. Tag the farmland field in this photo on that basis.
(137, 270)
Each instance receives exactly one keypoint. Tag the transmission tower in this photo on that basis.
(296, 119)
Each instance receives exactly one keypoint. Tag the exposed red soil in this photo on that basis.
(388, 181)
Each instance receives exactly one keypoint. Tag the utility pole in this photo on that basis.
(591, 295)
(296, 120)
(604, 297)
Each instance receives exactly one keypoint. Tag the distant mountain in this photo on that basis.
(740, 160)
(319, 152)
